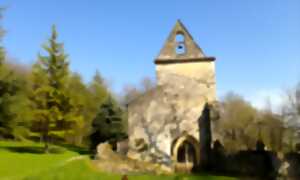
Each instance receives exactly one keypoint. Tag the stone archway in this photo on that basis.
(186, 149)
(186, 153)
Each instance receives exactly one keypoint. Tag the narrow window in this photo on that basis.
(180, 44)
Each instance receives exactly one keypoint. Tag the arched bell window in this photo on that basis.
(180, 44)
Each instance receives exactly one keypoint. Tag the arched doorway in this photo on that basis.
(185, 152)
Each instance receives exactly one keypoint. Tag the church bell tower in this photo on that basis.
(181, 56)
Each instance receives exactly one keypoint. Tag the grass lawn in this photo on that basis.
(25, 160)
(18, 159)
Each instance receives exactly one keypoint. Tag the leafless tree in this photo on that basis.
(130, 92)
(291, 114)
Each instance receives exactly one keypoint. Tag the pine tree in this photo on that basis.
(49, 97)
(108, 124)
(98, 90)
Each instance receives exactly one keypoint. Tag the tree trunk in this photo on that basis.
(46, 136)
(46, 147)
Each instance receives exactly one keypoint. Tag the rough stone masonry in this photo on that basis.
(163, 123)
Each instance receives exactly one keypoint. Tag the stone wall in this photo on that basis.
(202, 73)
(163, 114)
(171, 111)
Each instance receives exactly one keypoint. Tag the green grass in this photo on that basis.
(18, 159)
(75, 170)
(25, 160)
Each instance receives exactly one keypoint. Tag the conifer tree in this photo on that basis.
(98, 90)
(49, 97)
(108, 124)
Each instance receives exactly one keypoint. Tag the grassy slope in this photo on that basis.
(25, 161)
(18, 159)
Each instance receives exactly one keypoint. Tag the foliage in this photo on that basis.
(85, 101)
(107, 125)
(15, 114)
(82, 102)
(272, 130)
(14, 104)
(241, 125)
(236, 123)
(130, 92)
(50, 101)
(98, 90)
(66, 165)
(47, 101)
(291, 115)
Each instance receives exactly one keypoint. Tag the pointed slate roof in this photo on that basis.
(180, 47)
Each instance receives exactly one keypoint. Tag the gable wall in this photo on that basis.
(202, 72)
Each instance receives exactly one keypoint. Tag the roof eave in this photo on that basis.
(189, 60)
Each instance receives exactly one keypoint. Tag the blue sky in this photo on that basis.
(256, 42)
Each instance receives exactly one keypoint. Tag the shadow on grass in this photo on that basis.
(79, 150)
(32, 149)
(25, 149)
(56, 148)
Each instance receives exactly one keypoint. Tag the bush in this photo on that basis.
(56, 150)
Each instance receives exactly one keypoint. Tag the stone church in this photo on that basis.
(164, 124)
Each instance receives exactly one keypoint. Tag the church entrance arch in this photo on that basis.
(185, 149)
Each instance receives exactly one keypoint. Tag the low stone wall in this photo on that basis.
(246, 163)
(264, 164)
(292, 161)
(253, 164)
(109, 161)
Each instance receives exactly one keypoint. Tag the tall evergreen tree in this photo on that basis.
(49, 97)
(108, 124)
(98, 90)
